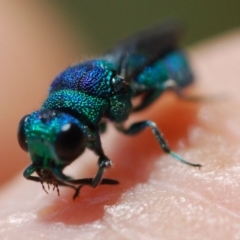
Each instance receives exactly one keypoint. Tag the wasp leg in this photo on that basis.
(152, 94)
(139, 126)
(88, 181)
(148, 99)
(27, 174)
(29, 171)
(63, 179)
(102, 127)
(103, 162)
(77, 189)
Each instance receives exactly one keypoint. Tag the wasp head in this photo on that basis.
(52, 138)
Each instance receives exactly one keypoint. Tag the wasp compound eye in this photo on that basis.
(21, 134)
(70, 142)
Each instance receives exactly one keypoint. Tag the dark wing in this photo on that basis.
(132, 55)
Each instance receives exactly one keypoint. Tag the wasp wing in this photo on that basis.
(135, 53)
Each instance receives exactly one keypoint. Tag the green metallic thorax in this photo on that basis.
(90, 108)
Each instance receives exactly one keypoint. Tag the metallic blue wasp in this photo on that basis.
(83, 96)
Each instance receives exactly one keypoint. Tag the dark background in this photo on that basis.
(105, 22)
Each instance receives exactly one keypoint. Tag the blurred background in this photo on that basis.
(105, 22)
(40, 38)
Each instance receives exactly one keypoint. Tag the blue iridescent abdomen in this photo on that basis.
(173, 66)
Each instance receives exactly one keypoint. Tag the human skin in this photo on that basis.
(158, 197)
